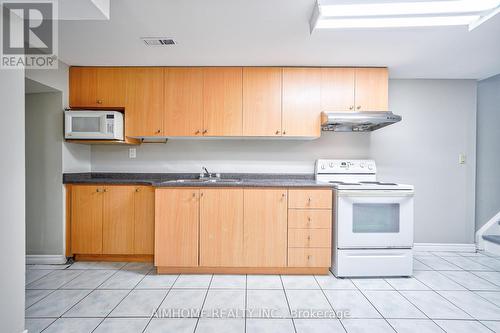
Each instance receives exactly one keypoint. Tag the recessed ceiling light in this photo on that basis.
(385, 14)
(391, 22)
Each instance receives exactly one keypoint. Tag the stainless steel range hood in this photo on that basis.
(357, 121)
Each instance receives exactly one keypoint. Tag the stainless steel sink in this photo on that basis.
(203, 180)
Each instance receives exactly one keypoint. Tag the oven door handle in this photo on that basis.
(375, 193)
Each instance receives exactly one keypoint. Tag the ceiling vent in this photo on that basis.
(158, 41)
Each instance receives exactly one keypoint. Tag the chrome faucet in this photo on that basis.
(205, 173)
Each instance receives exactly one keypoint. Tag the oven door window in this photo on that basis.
(375, 218)
(86, 124)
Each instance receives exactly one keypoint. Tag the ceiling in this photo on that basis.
(273, 32)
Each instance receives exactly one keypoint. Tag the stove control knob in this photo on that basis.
(362, 165)
(322, 166)
(370, 167)
(331, 165)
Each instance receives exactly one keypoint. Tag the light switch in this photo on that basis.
(461, 158)
(132, 153)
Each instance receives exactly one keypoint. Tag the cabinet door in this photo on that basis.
(183, 101)
(265, 225)
(82, 86)
(222, 101)
(144, 105)
(221, 227)
(144, 220)
(118, 220)
(337, 89)
(97, 87)
(176, 227)
(372, 89)
(86, 219)
(111, 86)
(301, 102)
(262, 101)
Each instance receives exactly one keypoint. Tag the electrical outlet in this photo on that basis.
(132, 153)
(461, 158)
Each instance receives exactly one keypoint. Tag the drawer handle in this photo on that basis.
(309, 257)
(137, 189)
(309, 238)
(309, 200)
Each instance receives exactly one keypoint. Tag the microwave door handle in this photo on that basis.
(104, 129)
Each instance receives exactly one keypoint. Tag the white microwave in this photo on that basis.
(93, 125)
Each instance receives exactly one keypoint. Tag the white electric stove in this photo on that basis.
(372, 220)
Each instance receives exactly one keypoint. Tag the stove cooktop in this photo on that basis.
(369, 185)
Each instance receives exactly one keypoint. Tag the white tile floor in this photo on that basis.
(450, 292)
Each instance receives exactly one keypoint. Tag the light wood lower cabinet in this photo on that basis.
(176, 227)
(118, 220)
(221, 227)
(236, 230)
(265, 227)
(111, 220)
(86, 219)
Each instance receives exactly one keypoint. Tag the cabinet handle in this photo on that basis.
(351, 107)
(205, 131)
(309, 257)
(284, 132)
(201, 194)
(283, 195)
(137, 189)
(105, 190)
(197, 132)
(309, 200)
(97, 190)
(99, 101)
(158, 131)
(309, 238)
(358, 107)
(278, 132)
(194, 195)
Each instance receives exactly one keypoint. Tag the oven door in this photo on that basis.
(87, 125)
(374, 219)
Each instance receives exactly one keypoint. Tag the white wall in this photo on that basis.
(44, 194)
(75, 157)
(488, 150)
(438, 124)
(12, 200)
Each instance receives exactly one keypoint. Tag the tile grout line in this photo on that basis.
(159, 305)
(203, 303)
(288, 303)
(381, 315)
(331, 305)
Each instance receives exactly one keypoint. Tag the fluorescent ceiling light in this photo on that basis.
(409, 8)
(386, 14)
(428, 21)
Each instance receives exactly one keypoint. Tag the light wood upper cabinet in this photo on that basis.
(144, 101)
(86, 219)
(221, 227)
(97, 87)
(118, 220)
(183, 101)
(301, 102)
(337, 89)
(222, 101)
(176, 227)
(372, 89)
(265, 227)
(262, 101)
(144, 219)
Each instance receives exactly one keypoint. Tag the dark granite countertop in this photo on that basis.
(171, 179)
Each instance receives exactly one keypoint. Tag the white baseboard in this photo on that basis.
(445, 247)
(45, 259)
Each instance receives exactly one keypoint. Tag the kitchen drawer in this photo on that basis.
(310, 218)
(309, 257)
(309, 238)
(310, 198)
